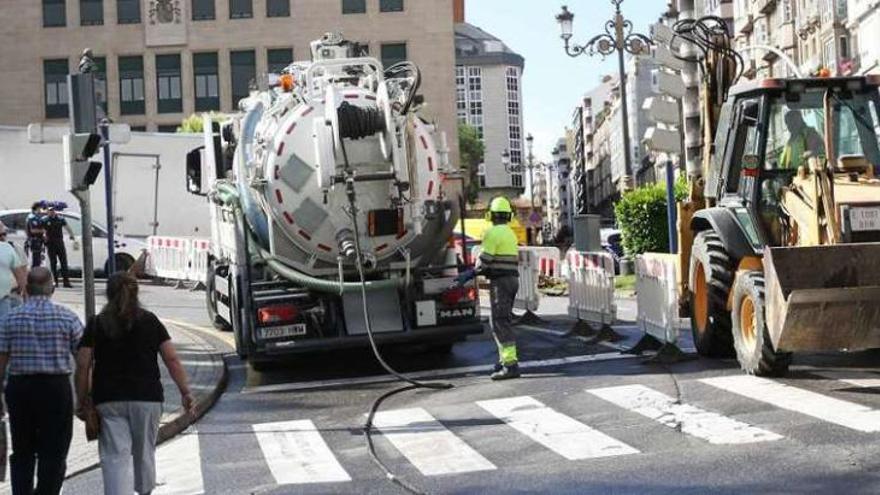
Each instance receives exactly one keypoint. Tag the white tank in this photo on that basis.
(291, 161)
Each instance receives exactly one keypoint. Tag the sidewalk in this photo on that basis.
(207, 376)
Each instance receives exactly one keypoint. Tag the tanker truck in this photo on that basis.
(333, 204)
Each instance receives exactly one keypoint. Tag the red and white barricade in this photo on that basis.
(591, 287)
(178, 258)
(657, 296)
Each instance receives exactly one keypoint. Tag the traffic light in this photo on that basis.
(79, 172)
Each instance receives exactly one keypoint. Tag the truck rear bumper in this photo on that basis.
(447, 333)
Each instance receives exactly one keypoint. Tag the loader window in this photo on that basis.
(746, 144)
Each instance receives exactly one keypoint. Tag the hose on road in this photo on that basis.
(412, 384)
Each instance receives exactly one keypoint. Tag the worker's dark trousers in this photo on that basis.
(57, 253)
(502, 292)
(36, 247)
(41, 423)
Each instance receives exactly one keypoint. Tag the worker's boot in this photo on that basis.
(507, 372)
(67, 284)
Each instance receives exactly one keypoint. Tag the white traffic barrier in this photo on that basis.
(528, 297)
(167, 257)
(591, 287)
(178, 258)
(657, 296)
(548, 261)
(197, 261)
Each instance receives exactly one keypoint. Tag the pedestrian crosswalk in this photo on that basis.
(585, 426)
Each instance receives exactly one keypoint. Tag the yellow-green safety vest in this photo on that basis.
(499, 255)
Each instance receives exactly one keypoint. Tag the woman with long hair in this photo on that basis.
(118, 374)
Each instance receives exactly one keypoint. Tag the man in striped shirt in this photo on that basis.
(37, 342)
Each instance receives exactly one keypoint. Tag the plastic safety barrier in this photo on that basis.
(591, 287)
(178, 258)
(528, 297)
(657, 296)
(548, 261)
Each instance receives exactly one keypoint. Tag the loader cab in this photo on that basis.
(768, 131)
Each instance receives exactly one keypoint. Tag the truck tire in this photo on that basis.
(712, 275)
(754, 349)
(211, 301)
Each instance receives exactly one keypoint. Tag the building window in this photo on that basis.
(207, 81)
(168, 84)
(128, 11)
(469, 96)
(829, 54)
(841, 9)
(131, 85)
(203, 10)
(393, 53)
(277, 8)
(461, 94)
(91, 12)
(54, 13)
(168, 129)
(354, 6)
(514, 116)
(278, 59)
(786, 11)
(100, 76)
(55, 77)
(244, 71)
(516, 180)
(138, 128)
(241, 9)
(390, 5)
(481, 174)
(844, 48)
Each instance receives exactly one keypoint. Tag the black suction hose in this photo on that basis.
(412, 384)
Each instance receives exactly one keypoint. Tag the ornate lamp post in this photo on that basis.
(618, 37)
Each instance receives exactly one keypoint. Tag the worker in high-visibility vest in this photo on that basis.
(802, 138)
(499, 262)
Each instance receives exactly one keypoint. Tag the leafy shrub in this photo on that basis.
(641, 217)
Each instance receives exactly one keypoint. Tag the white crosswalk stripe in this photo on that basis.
(427, 444)
(560, 433)
(860, 379)
(296, 453)
(837, 411)
(712, 427)
(179, 467)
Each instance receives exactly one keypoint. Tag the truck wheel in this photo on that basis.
(754, 350)
(711, 272)
(211, 301)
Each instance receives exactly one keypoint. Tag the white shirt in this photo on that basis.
(9, 261)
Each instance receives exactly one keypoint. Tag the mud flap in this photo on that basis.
(823, 298)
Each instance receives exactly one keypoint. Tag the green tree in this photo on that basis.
(472, 151)
(191, 125)
(641, 216)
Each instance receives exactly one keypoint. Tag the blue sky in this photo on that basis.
(553, 82)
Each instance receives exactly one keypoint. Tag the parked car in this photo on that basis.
(127, 249)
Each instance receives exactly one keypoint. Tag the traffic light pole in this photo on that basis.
(85, 208)
(108, 198)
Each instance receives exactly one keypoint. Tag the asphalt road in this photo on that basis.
(584, 419)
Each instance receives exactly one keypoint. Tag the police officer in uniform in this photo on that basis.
(499, 260)
(36, 234)
(53, 224)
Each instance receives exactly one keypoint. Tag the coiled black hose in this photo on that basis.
(359, 122)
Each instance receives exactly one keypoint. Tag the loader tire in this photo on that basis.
(711, 269)
(754, 349)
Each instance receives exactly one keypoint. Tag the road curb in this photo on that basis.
(208, 393)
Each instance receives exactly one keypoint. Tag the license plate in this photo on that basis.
(862, 219)
(285, 331)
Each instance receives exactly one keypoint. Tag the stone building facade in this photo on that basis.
(166, 59)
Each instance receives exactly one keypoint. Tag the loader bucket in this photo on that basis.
(823, 298)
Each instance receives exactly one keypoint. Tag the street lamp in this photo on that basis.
(618, 37)
(516, 168)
